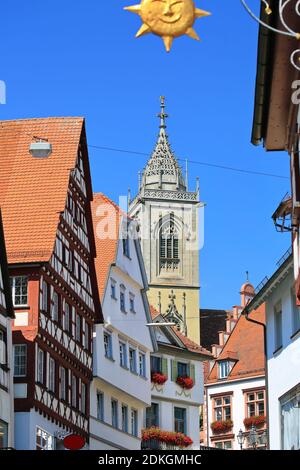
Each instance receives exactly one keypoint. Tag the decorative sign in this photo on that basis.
(168, 19)
(74, 442)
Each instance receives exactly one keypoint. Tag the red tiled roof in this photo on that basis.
(189, 344)
(106, 222)
(33, 190)
(246, 342)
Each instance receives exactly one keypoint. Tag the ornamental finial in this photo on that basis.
(162, 115)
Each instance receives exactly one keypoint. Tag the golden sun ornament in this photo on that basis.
(168, 19)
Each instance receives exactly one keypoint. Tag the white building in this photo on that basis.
(235, 385)
(6, 365)
(173, 408)
(283, 346)
(121, 389)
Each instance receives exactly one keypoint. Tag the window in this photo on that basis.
(152, 416)
(87, 336)
(126, 247)
(52, 375)
(107, 345)
(67, 322)
(131, 303)
(132, 360)
(183, 369)
(40, 366)
(222, 408)
(142, 364)
(180, 420)
(3, 434)
(290, 420)
(134, 422)
(45, 297)
(114, 414)
(62, 383)
(100, 406)
(255, 403)
(224, 369)
(123, 354)
(44, 440)
(122, 299)
(124, 418)
(74, 391)
(83, 398)
(226, 445)
(278, 326)
(156, 364)
(78, 327)
(113, 289)
(296, 313)
(20, 360)
(3, 348)
(169, 244)
(19, 287)
(55, 307)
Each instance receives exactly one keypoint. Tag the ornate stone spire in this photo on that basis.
(162, 170)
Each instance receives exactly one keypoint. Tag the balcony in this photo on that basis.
(282, 217)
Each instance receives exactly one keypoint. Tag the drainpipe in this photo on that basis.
(266, 369)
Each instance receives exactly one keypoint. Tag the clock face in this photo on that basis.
(168, 17)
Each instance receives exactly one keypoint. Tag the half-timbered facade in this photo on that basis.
(6, 369)
(51, 252)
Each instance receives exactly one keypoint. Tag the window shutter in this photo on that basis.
(174, 370)
(192, 372)
(164, 366)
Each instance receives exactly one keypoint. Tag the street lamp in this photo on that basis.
(241, 438)
(253, 437)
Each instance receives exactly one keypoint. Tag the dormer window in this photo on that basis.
(224, 369)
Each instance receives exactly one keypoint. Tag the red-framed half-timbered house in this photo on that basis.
(45, 194)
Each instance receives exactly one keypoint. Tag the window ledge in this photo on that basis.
(296, 334)
(124, 367)
(123, 311)
(277, 351)
(110, 358)
(21, 307)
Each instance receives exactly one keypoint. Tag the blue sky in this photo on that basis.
(70, 57)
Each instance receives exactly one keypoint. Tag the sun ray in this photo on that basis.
(168, 40)
(192, 34)
(134, 9)
(144, 29)
(200, 13)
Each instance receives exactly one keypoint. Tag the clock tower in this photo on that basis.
(168, 217)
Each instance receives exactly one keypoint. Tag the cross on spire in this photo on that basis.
(162, 115)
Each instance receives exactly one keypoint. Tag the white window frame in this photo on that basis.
(40, 365)
(52, 367)
(124, 424)
(134, 421)
(13, 290)
(224, 369)
(123, 354)
(24, 348)
(49, 438)
(142, 364)
(108, 352)
(101, 408)
(132, 366)
(54, 306)
(115, 423)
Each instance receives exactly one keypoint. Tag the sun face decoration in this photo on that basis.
(168, 18)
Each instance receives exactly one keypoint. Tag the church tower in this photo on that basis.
(167, 213)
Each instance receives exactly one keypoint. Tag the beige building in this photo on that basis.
(168, 216)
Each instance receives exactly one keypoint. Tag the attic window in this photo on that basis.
(224, 369)
(41, 148)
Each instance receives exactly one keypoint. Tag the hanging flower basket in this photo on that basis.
(256, 421)
(185, 382)
(220, 427)
(175, 439)
(158, 378)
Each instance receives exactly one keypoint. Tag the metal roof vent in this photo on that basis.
(41, 148)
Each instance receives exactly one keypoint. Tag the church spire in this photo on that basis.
(162, 115)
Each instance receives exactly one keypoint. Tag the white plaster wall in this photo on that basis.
(103, 435)
(283, 366)
(238, 404)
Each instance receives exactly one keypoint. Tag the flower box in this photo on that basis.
(158, 378)
(185, 382)
(221, 427)
(256, 421)
(175, 439)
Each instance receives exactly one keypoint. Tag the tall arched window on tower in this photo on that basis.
(169, 245)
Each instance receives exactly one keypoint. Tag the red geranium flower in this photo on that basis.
(254, 421)
(219, 427)
(185, 382)
(158, 378)
(170, 438)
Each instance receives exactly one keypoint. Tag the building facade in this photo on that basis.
(6, 354)
(121, 388)
(173, 407)
(45, 196)
(235, 388)
(168, 216)
(283, 343)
